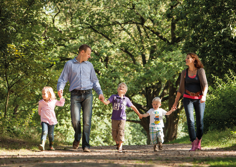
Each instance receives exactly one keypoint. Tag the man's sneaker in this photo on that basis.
(160, 145)
(86, 149)
(155, 148)
(75, 144)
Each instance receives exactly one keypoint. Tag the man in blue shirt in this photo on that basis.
(82, 78)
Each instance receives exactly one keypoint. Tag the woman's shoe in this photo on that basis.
(194, 145)
(199, 144)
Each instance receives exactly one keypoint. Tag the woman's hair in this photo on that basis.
(49, 90)
(158, 99)
(197, 62)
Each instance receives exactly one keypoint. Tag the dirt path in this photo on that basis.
(107, 156)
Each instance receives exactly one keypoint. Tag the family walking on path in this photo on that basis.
(82, 78)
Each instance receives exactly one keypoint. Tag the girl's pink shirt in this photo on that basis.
(46, 110)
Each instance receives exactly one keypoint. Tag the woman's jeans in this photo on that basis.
(47, 129)
(189, 105)
(84, 100)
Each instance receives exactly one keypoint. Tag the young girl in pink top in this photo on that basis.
(48, 116)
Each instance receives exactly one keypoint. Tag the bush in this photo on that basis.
(221, 105)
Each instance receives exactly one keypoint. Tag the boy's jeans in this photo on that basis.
(189, 105)
(47, 129)
(84, 100)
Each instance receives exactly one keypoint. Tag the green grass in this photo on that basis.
(217, 162)
(214, 139)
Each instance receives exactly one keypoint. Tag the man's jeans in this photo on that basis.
(47, 129)
(82, 100)
(189, 105)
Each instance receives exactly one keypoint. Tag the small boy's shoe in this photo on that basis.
(42, 146)
(160, 145)
(155, 148)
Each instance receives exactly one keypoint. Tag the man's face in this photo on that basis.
(86, 55)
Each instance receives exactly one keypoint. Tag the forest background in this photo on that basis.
(140, 42)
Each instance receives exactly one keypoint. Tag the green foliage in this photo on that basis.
(212, 34)
(221, 104)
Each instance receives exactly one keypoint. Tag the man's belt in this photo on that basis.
(193, 94)
(81, 91)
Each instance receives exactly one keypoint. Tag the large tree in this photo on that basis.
(23, 53)
(212, 27)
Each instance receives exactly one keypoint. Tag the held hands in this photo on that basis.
(101, 97)
(60, 93)
(203, 99)
(140, 116)
(174, 107)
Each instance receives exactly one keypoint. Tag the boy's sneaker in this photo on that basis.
(160, 145)
(155, 148)
(120, 150)
(117, 147)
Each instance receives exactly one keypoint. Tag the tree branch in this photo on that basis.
(134, 121)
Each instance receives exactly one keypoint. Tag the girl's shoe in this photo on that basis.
(194, 145)
(51, 148)
(42, 146)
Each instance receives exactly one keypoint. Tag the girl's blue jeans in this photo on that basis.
(82, 101)
(189, 106)
(47, 129)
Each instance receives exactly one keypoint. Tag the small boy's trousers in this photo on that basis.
(156, 135)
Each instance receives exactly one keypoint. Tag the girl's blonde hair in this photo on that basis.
(49, 90)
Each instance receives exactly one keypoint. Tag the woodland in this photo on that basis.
(140, 42)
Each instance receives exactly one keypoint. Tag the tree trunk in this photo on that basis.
(145, 125)
(6, 104)
(171, 126)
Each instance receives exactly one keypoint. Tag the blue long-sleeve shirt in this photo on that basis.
(81, 76)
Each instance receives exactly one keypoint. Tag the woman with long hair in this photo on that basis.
(193, 86)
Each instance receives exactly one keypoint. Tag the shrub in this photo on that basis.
(221, 105)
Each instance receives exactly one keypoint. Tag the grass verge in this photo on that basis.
(217, 162)
(214, 139)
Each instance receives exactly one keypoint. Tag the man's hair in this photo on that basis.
(158, 99)
(84, 47)
(122, 83)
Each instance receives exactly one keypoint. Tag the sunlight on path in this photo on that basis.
(171, 155)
